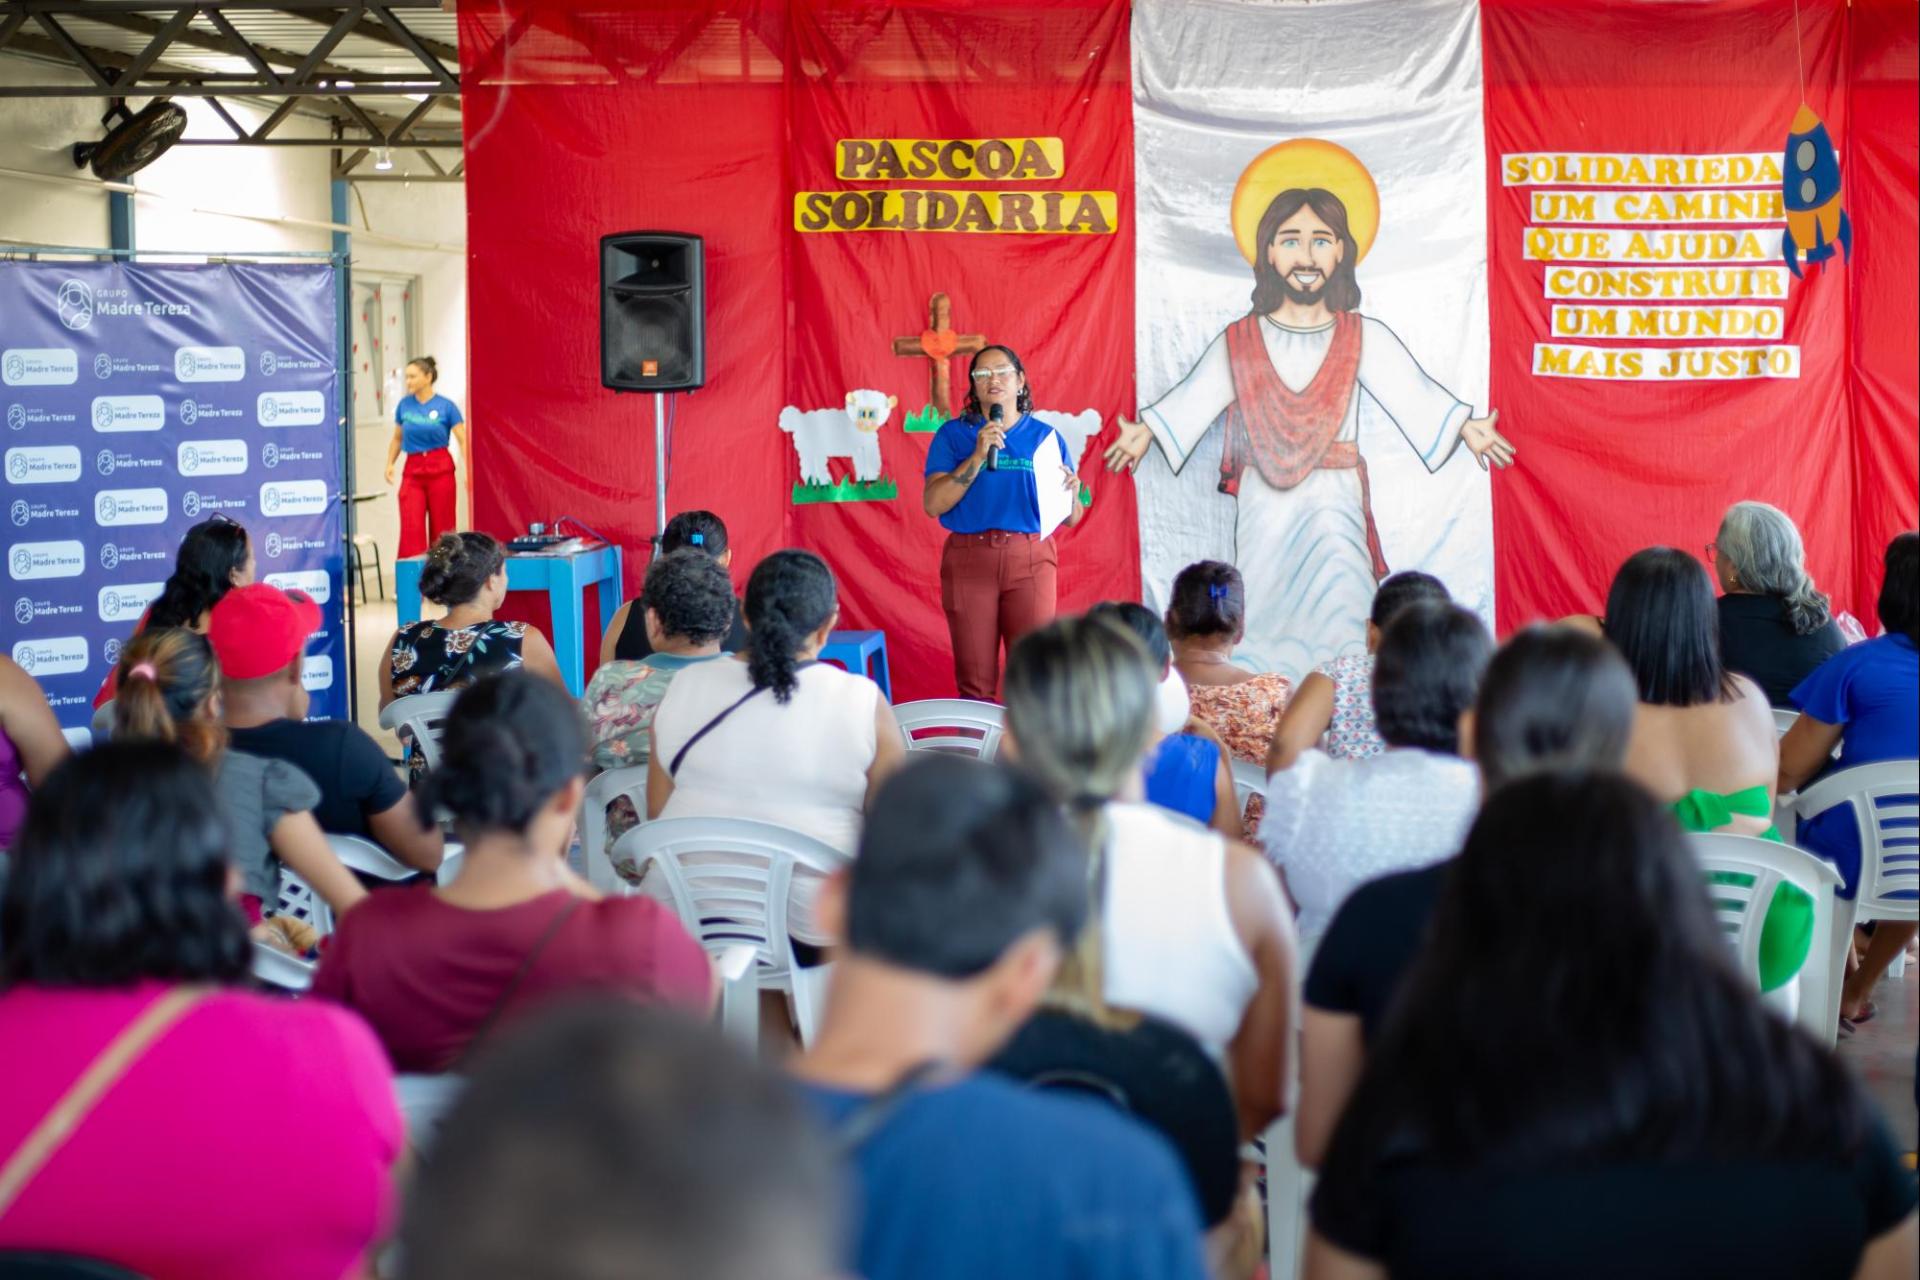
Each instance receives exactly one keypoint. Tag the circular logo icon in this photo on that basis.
(19, 512)
(111, 651)
(269, 500)
(190, 503)
(270, 455)
(103, 365)
(110, 602)
(109, 556)
(102, 414)
(16, 368)
(189, 413)
(269, 409)
(103, 462)
(23, 611)
(273, 546)
(106, 508)
(22, 562)
(24, 656)
(185, 365)
(74, 302)
(189, 460)
(16, 416)
(269, 364)
(17, 466)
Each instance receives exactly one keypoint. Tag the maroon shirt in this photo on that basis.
(425, 974)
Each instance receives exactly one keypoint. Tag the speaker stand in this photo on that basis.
(659, 468)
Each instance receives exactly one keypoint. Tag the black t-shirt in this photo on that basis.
(354, 776)
(1796, 1220)
(1372, 942)
(632, 644)
(1758, 641)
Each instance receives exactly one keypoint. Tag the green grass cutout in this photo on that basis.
(881, 490)
(927, 419)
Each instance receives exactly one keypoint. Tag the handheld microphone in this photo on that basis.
(995, 415)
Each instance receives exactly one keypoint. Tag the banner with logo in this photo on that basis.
(139, 400)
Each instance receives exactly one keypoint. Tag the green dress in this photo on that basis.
(1786, 934)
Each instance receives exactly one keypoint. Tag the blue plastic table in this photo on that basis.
(563, 577)
(864, 652)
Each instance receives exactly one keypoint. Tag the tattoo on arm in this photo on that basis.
(965, 474)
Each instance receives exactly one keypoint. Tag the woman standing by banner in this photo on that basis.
(984, 472)
(423, 424)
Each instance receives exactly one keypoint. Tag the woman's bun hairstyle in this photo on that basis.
(458, 565)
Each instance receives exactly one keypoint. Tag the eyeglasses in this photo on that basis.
(1713, 552)
(988, 375)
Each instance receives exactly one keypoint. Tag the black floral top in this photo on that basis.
(430, 658)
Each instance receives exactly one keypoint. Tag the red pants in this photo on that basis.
(995, 587)
(427, 500)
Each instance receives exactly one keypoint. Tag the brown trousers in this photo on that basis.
(995, 587)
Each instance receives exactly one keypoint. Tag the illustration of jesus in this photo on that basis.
(1293, 378)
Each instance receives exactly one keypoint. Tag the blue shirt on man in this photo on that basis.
(427, 426)
(1005, 499)
(1870, 689)
(986, 1178)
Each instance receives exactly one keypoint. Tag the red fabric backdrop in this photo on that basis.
(1605, 467)
(584, 120)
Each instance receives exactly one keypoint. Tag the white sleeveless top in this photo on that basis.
(1169, 947)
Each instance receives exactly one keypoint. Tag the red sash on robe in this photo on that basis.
(1288, 434)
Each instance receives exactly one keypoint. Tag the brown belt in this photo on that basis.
(991, 538)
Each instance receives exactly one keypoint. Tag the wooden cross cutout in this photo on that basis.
(939, 344)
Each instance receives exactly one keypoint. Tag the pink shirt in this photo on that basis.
(255, 1138)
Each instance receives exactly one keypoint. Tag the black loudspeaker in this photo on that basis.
(653, 313)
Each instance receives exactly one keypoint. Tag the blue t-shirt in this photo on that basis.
(1871, 689)
(1182, 774)
(984, 1178)
(426, 427)
(1003, 499)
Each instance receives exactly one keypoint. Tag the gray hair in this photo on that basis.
(1767, 556)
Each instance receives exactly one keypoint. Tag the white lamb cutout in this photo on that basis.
(1074, 428)
(852, 432)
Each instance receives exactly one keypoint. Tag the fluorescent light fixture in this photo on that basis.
(383, 159)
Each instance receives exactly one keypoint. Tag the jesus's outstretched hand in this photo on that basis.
(1488, 445)
(1129, 446)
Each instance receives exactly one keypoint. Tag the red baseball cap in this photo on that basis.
(259, 629)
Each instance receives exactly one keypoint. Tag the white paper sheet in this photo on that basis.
(1056, 501)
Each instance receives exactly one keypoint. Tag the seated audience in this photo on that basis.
(1553, 698)
(809, 755)
(170, 692)
(602, 1140)
(1775, 626)
(1333, 707)
(1188, 926)
(259, 634)
(215, 557)
(1187, 767)
(435, 970)
(31, 745)
(686, 606)
(1862, 700)
(182, 1163)
(1576, 1082)
(626, 637)
(1335, 824)
(1205, 620)
(969, 888)
(1704, 740)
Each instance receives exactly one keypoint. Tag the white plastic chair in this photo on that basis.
(297, 898)
(630, 782)
(424, 1102)
(1743, 909)
(937, 718)
(1783, 720)
(418, 719)
(1249, 780)
(1886, 810)
(78, 739)
(740, 995)
(727, 879)
(103, 721)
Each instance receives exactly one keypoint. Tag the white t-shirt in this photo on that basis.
(1332, 825)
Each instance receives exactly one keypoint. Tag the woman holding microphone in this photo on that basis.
(423, 424)
(997, 572)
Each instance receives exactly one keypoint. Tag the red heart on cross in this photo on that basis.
(939, 344)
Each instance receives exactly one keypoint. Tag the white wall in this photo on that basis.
(186, 202)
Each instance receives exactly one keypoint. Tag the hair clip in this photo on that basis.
(1216, 591)
(146, 669)
(698, 539)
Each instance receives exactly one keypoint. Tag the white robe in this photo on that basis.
(1303, 551)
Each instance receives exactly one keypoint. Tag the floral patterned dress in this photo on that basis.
(1244, 715)
(621, 700)
(1351, 734)
(429, 658)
